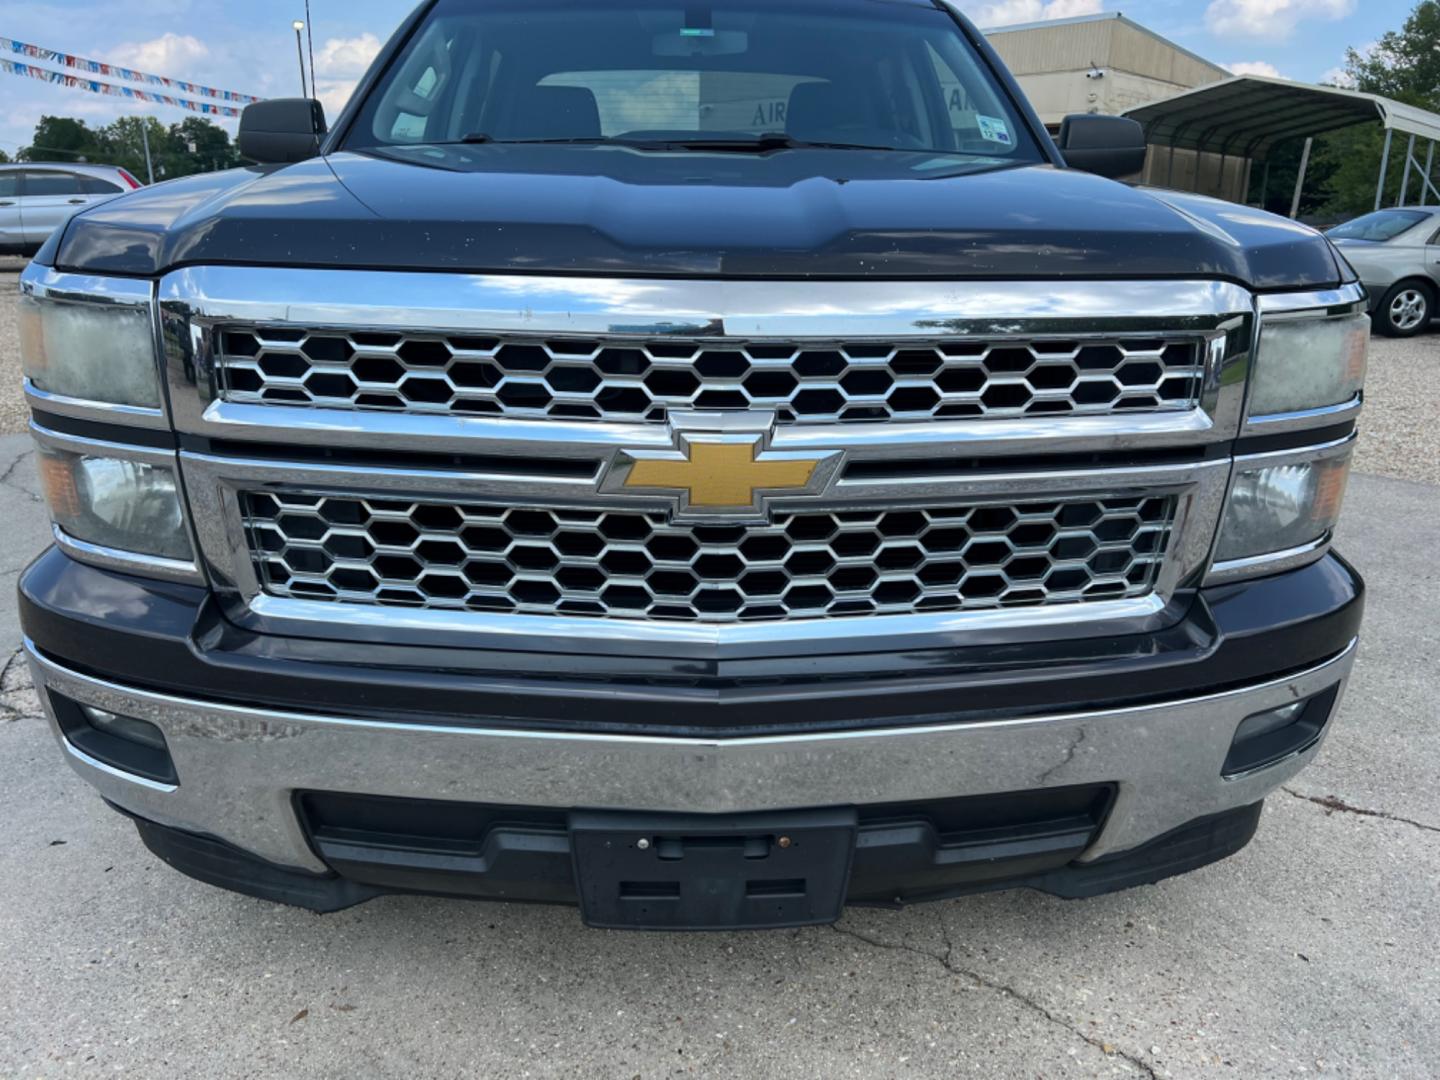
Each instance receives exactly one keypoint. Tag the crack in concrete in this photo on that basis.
(6, 481)
(947, 961)
(1332, 803)
(10, 713)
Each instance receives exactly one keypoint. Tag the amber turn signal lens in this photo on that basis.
(57, 479)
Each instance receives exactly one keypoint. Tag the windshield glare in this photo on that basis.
(1380, 226)
(890, 76)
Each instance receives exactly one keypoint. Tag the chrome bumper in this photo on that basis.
(238, 767)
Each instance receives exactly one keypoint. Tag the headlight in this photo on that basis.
(128, 506)
(96, 352)
(1278, 507)
(1308, 363)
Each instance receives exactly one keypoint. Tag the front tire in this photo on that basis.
(1406, 309)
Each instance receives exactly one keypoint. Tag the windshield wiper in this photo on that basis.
(763, 143)
(477, 138)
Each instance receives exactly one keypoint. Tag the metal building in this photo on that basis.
(1110, 64)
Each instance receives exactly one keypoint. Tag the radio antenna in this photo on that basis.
(310, 40)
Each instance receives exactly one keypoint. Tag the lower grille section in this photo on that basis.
(817, 564)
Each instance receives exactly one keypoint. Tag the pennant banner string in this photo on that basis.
(115, 71)
(95, 86)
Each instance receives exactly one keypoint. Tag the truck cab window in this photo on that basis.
(543, 71)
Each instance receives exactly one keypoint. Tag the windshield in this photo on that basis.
(1381, 226)
(893, 76)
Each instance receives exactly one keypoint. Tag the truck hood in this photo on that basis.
(624, 212)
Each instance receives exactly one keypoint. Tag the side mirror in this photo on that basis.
(281, 131)
(1112, 146)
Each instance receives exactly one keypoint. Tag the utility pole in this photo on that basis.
(145, 138)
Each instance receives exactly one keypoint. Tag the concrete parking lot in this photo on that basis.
(1314, 951)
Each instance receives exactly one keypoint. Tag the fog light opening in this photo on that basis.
(127, 744)
(1271, 736)
(129, 728)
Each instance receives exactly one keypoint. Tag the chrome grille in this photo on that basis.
(639, 381)
(477, 557)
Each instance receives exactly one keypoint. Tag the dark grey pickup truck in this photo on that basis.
(709, 463)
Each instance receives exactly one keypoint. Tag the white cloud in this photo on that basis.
(1255, 67)
(1271, 20)
(1010, 12)
(175, 55)
(338, 66)
(346, 57)
(1339, 76)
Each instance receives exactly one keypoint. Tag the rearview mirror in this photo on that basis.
(1112, 146)
(281, 131)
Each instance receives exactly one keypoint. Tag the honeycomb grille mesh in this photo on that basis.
(639, 381)
(599, 563)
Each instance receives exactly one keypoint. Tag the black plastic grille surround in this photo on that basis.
(641, 380)
(476, 557)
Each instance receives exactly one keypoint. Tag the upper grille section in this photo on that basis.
(572, 378)
(479, 557)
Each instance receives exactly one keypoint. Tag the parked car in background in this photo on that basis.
(37, 197)
(1396, 252)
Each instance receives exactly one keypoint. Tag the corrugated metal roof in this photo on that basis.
(1249, 114)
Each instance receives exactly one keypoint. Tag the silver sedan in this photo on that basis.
(1396, 252)
(36, 198)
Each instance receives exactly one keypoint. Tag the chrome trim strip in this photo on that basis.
(239, 766)
(1319, 451)
(1273, 562)
(1276, 562)
(664, 307)
(45, 283)
(213, 485)
(798, 636)
(194, 301)
(1280, 423)
(1339, 301)
(140, 416)
(127, 562)
(50, 439)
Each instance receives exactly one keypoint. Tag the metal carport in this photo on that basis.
(1247, 116)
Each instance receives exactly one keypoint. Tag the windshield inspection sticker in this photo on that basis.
(993, 129)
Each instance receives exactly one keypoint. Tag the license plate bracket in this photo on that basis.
(706, 872)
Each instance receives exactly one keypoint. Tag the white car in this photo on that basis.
(36, 198)
(1396, 252)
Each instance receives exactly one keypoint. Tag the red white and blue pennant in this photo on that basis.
(96, 86)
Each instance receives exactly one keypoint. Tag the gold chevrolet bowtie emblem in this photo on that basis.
(721, 467)
(722, 475)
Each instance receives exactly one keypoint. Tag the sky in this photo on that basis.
(250, 46)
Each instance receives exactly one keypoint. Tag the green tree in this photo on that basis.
(123, 141)
(61, 138)
(1404, 65)
(192, 145)
(198, 145)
